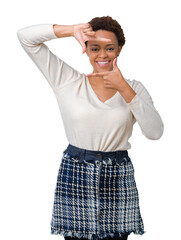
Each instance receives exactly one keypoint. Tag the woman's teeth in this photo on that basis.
(102, 63)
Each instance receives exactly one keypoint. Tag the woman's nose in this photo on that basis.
(103, 53)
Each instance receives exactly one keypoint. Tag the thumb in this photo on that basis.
(115, 63)
(82, 43)
(83, 48)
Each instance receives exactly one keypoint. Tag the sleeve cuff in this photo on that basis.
(134, 100)
(47, 30)
(53, 33)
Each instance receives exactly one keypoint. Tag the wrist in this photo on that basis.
(126, 91)
(122, 83)
(63, 30)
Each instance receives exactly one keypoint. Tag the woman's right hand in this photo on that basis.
(83, 32)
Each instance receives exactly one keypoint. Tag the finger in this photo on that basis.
(115, 63)
(91, 75)
(89, 29)
(83, 48)
(94, 38)
(82, 43)
(91, 33)
(86, 25)
(103, 39)
(96, 74)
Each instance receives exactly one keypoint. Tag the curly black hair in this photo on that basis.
(109, 24)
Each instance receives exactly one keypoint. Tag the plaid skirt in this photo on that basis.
(96, 195)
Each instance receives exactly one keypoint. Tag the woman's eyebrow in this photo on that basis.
(106, 44)
(110, 44)
(94, 44)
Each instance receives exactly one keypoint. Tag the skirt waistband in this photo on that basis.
(84, 154)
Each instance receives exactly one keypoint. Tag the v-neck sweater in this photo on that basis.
(90, 123)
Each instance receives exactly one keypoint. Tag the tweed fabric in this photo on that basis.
(96, 195)
(124, 237)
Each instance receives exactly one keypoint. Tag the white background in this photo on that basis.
(31, 129)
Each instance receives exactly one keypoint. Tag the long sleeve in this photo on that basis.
(142, 107)
(56, 71)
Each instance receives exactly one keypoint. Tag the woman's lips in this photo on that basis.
(103, 63)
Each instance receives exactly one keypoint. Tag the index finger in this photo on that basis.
(96, 74)
(94, 38)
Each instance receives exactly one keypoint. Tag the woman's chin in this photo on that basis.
(103, 69)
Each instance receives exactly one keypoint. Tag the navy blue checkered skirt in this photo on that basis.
(96, 195)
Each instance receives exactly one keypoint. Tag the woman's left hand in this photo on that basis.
(112, 79)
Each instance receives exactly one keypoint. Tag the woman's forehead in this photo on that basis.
(105, 33)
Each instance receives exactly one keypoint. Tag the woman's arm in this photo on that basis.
(145, 113)
(63, 30)
(137, 98)
(81, 32)
(56, 71)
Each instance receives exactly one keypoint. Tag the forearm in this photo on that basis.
(142, 107)
(147, 117)
(126, 91)
(63, 30)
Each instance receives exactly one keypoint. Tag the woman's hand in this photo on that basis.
(112, 79)
(83, 32)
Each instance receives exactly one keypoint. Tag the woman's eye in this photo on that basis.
(110, 49)
(94, 49)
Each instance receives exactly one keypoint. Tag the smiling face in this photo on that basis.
(101, 54)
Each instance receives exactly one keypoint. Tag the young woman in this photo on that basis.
(96, 196)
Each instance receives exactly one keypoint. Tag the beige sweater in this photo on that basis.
(89, 123)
